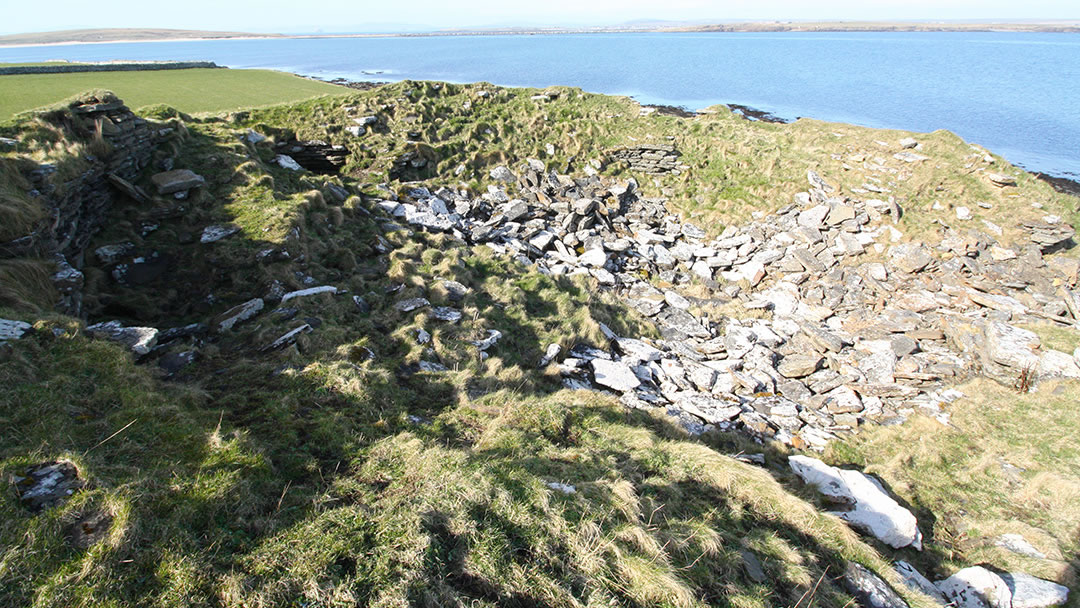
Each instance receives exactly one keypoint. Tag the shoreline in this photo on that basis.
(1045, 27)
(1058, 183)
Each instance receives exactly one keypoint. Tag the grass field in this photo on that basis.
(190, 91)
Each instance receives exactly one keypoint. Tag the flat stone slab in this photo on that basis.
(13, 330)
(412, 304)
(614, 375)
(139, 339)
(870, 589)
(308, 292)
(213, 234)
(47, 485)
(238, 314)
(178, 180)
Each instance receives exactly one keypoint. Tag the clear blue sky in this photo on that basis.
(290, 16)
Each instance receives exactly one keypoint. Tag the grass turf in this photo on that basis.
(191, 91)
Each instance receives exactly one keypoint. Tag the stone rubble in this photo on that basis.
(842, 342)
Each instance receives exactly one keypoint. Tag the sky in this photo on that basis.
(306, 16)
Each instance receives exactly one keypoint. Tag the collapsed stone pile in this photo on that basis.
(815, 341)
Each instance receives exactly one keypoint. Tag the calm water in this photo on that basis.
(1017, 94)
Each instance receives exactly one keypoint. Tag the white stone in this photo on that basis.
(675, 300)
(13, 330)
(1012, 346)
(594, 257)
(1019, 545)
(411, 304)
(976, 587)
(287, 162)
(814, 217)
(614, 375)
(963, 213)
(1031, 592)
(488, 342)
(139, 339)
(308, 292)
(239, 314)
(873, 511)
(1053, 363)
(212, 234)
(702, 270)
(914, 580)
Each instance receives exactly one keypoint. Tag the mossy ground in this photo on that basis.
(319, 475)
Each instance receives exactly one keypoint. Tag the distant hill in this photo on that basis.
(120, 35)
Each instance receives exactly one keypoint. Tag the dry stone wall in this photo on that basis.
(77, 208)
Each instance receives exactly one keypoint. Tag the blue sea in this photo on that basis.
(1018, 94)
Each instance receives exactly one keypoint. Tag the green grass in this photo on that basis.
(191, 91)
(1007, 463)
(736, 166)
(320, 476)
(325, 496)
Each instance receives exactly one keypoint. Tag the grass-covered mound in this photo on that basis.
(333, 472)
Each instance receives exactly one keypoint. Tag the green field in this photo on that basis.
(190, 91)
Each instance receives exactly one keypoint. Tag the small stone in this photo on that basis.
(212, 234)
(47, 485)
(1001, 180)
(915, 581)
(171, 182)
(963, 213)
(238, 314)
(1018, 545)
(111, 254)
(908, 143)
(799, 365)
(411, 304)
(288, 337)
(309, 292)
(287, 162)
(596, 258)
(1031, 592)
(139, 339)
(869, 589)
(13, 330)
(565, 488)
(976, 587)
(432, 367)
(488, 342)
(445, 313)
(456, 292)
(503, 174)
(552, 351)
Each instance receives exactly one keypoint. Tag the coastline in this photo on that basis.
(1049, 27)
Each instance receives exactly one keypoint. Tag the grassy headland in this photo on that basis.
(334, 473)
